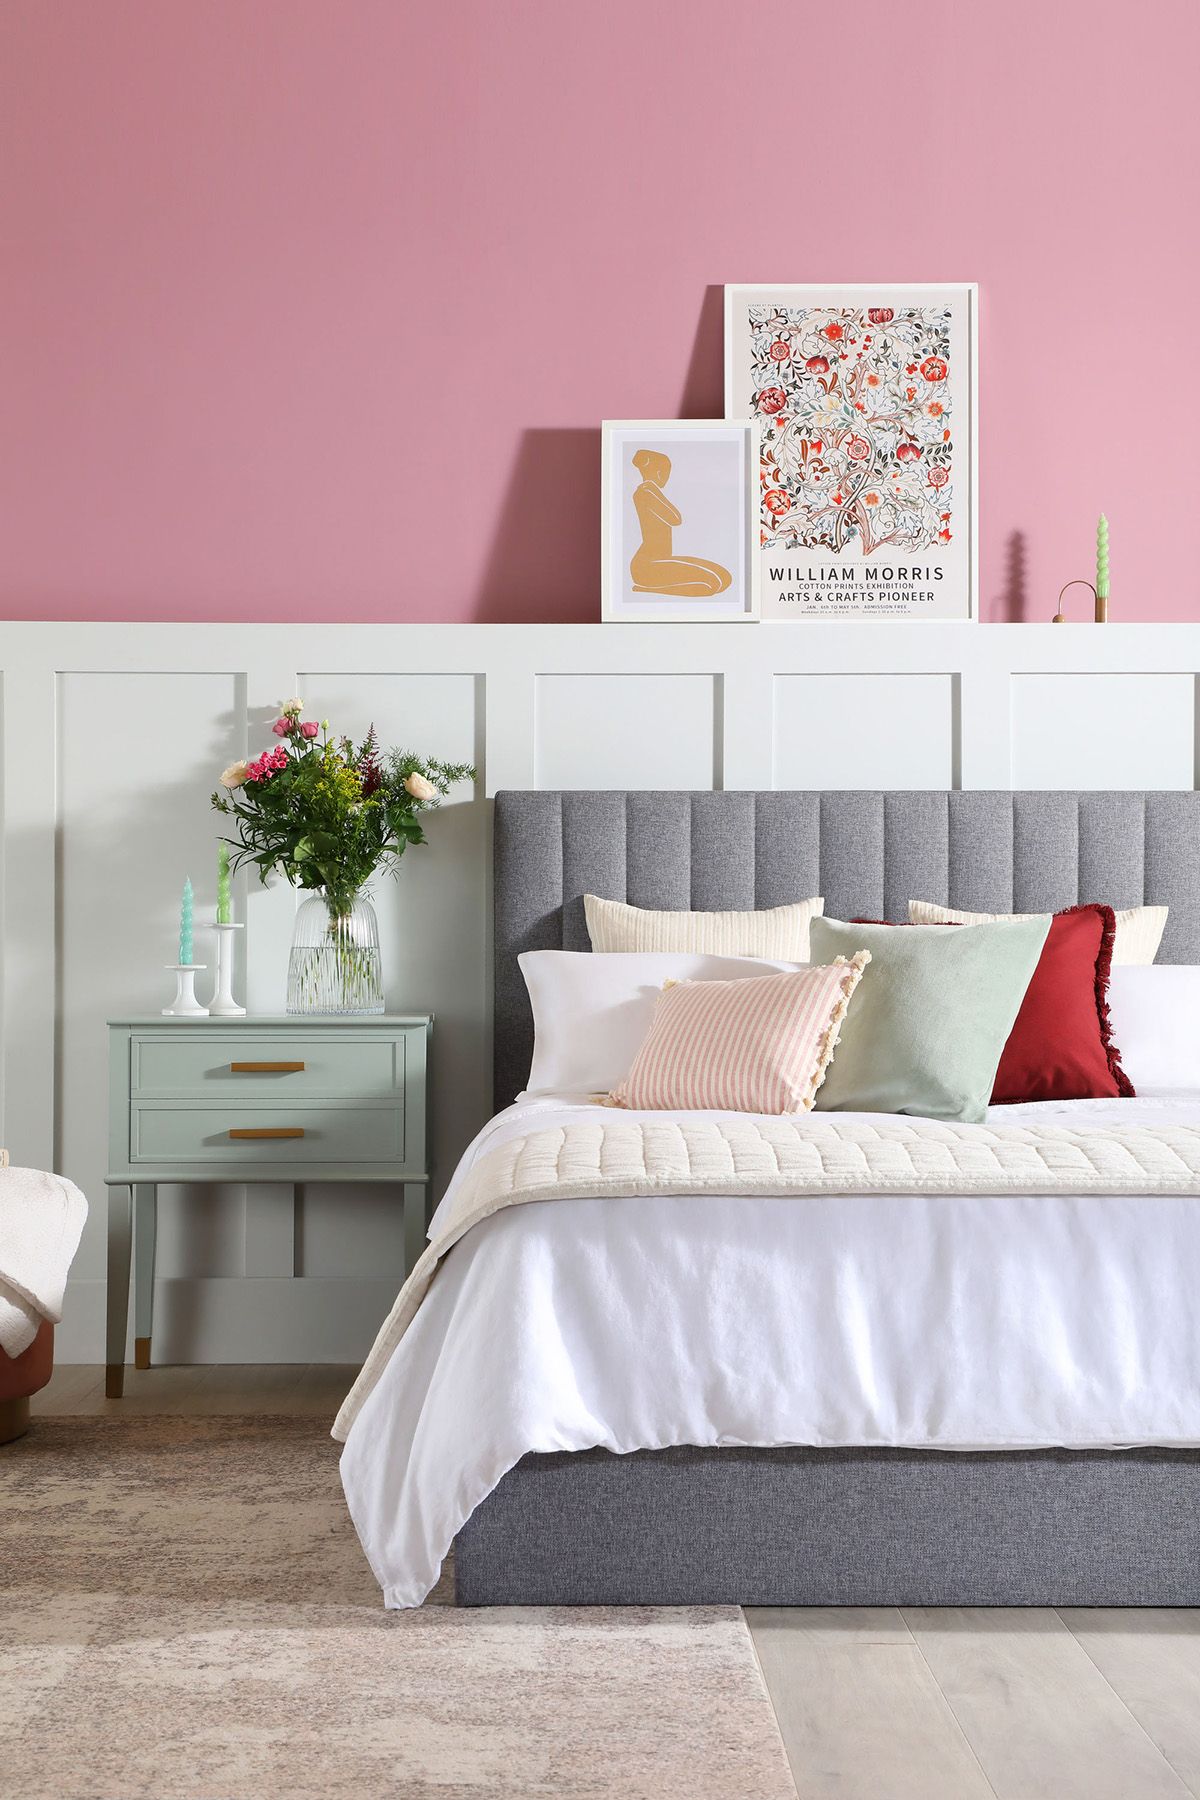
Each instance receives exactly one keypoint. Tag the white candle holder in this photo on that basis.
(185, 1004)
(223, 1005)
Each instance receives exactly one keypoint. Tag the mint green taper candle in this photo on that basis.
(1102, 559)
(185, 923)
(224, 906)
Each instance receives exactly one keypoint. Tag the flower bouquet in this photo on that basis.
(327, 813)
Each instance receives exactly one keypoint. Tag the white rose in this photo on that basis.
(419, 788)
(292, 708)
(235, 775)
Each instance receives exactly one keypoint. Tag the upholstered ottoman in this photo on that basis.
(21, 1376)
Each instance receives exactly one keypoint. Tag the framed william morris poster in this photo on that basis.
(865, 493)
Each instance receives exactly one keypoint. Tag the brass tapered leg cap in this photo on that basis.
(141, 1353)
(114, 1380)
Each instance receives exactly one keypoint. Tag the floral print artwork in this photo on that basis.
(857, 432)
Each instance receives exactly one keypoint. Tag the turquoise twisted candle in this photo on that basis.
(1102, 559)
(224, 904)
(185, 923)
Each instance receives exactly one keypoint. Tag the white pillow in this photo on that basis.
(772, 931)
(591, 1012)
(1138, 932)
(1155, 1016)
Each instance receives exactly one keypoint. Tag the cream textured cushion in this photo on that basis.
(758, 1046)
(1138, 935)
(779, 932)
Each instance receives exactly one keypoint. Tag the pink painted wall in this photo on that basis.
(311, 307)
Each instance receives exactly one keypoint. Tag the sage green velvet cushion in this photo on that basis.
(931, 1014)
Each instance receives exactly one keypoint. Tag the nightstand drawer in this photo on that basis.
(266, 1134)
(248, 1065)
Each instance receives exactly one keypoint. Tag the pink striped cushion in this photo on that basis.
(756, 1046)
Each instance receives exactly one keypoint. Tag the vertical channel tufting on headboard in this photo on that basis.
(867, 852)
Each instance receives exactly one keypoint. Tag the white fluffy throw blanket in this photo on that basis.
(41, 1217)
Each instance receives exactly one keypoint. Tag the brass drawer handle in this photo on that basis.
(265, 1068)
(270, 1131)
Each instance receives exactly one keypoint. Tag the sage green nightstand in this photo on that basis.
(263, 1100)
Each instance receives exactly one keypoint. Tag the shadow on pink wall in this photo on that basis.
(544, 560)
(1010, 606)
(703, 394)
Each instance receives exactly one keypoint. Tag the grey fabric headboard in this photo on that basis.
(868, 853)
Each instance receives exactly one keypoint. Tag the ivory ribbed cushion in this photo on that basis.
(757, 1046)
(1138, 934)
(778, 932)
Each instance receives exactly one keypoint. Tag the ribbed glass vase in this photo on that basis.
(335, 966)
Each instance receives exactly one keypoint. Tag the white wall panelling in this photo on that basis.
(112, 739)
(1110, 730)
(613, 731)
(828, 729)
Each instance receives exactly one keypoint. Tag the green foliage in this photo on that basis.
(327, 813)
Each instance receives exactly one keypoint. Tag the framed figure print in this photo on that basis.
(678, 534)
(866, 490)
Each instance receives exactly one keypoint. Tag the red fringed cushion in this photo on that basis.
(1061, 1047)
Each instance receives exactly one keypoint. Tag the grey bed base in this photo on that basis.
(688, 1527)
(802, 1527)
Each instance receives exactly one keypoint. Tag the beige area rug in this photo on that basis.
(185, 1611)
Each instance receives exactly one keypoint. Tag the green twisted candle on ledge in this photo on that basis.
(185, 924)
(224, 903)
(1102, 559)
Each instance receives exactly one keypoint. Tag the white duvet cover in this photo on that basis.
(936, 1321)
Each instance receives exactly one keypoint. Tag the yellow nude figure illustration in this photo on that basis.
(654, 566)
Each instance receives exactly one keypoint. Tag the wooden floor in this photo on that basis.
(310, 1390)
(876, 1703)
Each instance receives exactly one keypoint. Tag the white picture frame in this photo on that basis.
(819, 557)
(683, 510)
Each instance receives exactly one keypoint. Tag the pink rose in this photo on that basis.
(309, 729)
(281, 727)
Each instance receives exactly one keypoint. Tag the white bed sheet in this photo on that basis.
(932, 1321)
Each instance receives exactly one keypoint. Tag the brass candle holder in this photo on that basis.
(1101, 602)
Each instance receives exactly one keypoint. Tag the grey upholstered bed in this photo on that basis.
(812, 1527)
